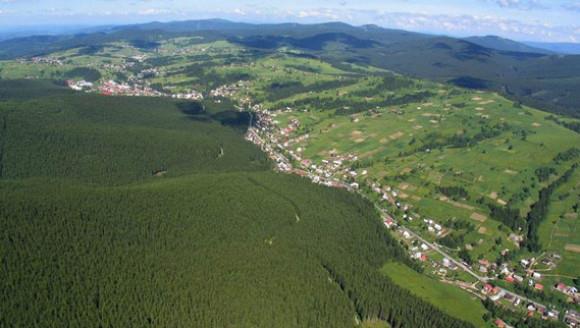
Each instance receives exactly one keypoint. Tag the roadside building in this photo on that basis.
(487, 288)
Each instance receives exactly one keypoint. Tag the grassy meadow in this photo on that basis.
(417, 148)
(448, 298)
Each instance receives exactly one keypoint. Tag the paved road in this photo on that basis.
(456, 262)
(436, 248)
(461, 265)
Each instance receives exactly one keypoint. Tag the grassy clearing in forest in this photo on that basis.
(448, 298)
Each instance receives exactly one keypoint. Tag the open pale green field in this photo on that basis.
(374, 324)
(448, 298)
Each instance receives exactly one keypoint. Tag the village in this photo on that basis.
(112, 88)
(135, 85)
(49, 60)
(336, 172)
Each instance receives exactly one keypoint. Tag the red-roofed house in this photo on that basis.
(539, 286)
(487, 288)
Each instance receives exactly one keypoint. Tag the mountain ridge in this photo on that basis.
(503, 44)
(525, 74)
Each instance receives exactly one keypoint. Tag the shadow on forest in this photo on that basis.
(231, 118)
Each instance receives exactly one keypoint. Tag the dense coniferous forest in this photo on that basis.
(131, 212)
(539, 210)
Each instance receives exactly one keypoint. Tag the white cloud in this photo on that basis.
(240, 12)
(319, 13)
(153, 11)
(519, 4)
(572, 6)
(478, 25)
(458, 25)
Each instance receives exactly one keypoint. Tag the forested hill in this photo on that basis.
(499, 43)
(129, 212)
(535, 77)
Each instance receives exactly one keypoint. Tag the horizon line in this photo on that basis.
(71, 26)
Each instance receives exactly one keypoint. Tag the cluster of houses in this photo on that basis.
(494, 293)
(47, 60)
(269, 144)
(389, 222)
(148, 73)
(550, 260)
(182, 50)
(449, 264)
(79, 85)
(390, 195)
(419, 252)
(434, 227)
(335, 169)
(112, 88)
(228, 90)
(533, 280)
(498, 294)
(279, 143)
(570, 291)
(572, 318)
(140, 58)
(385, 193)
(283, 164)
(493, 269)
(511, 275)
(118, 68)
(191, 95)
(276, 142)
(293, 125)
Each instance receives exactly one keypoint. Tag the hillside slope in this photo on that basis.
(499, 43)
(143, 212)
(563, 48)
(542, 81)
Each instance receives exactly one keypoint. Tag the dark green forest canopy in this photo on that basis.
(124, 212)
(116, 140)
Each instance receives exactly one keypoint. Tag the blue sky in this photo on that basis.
(534, 20)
